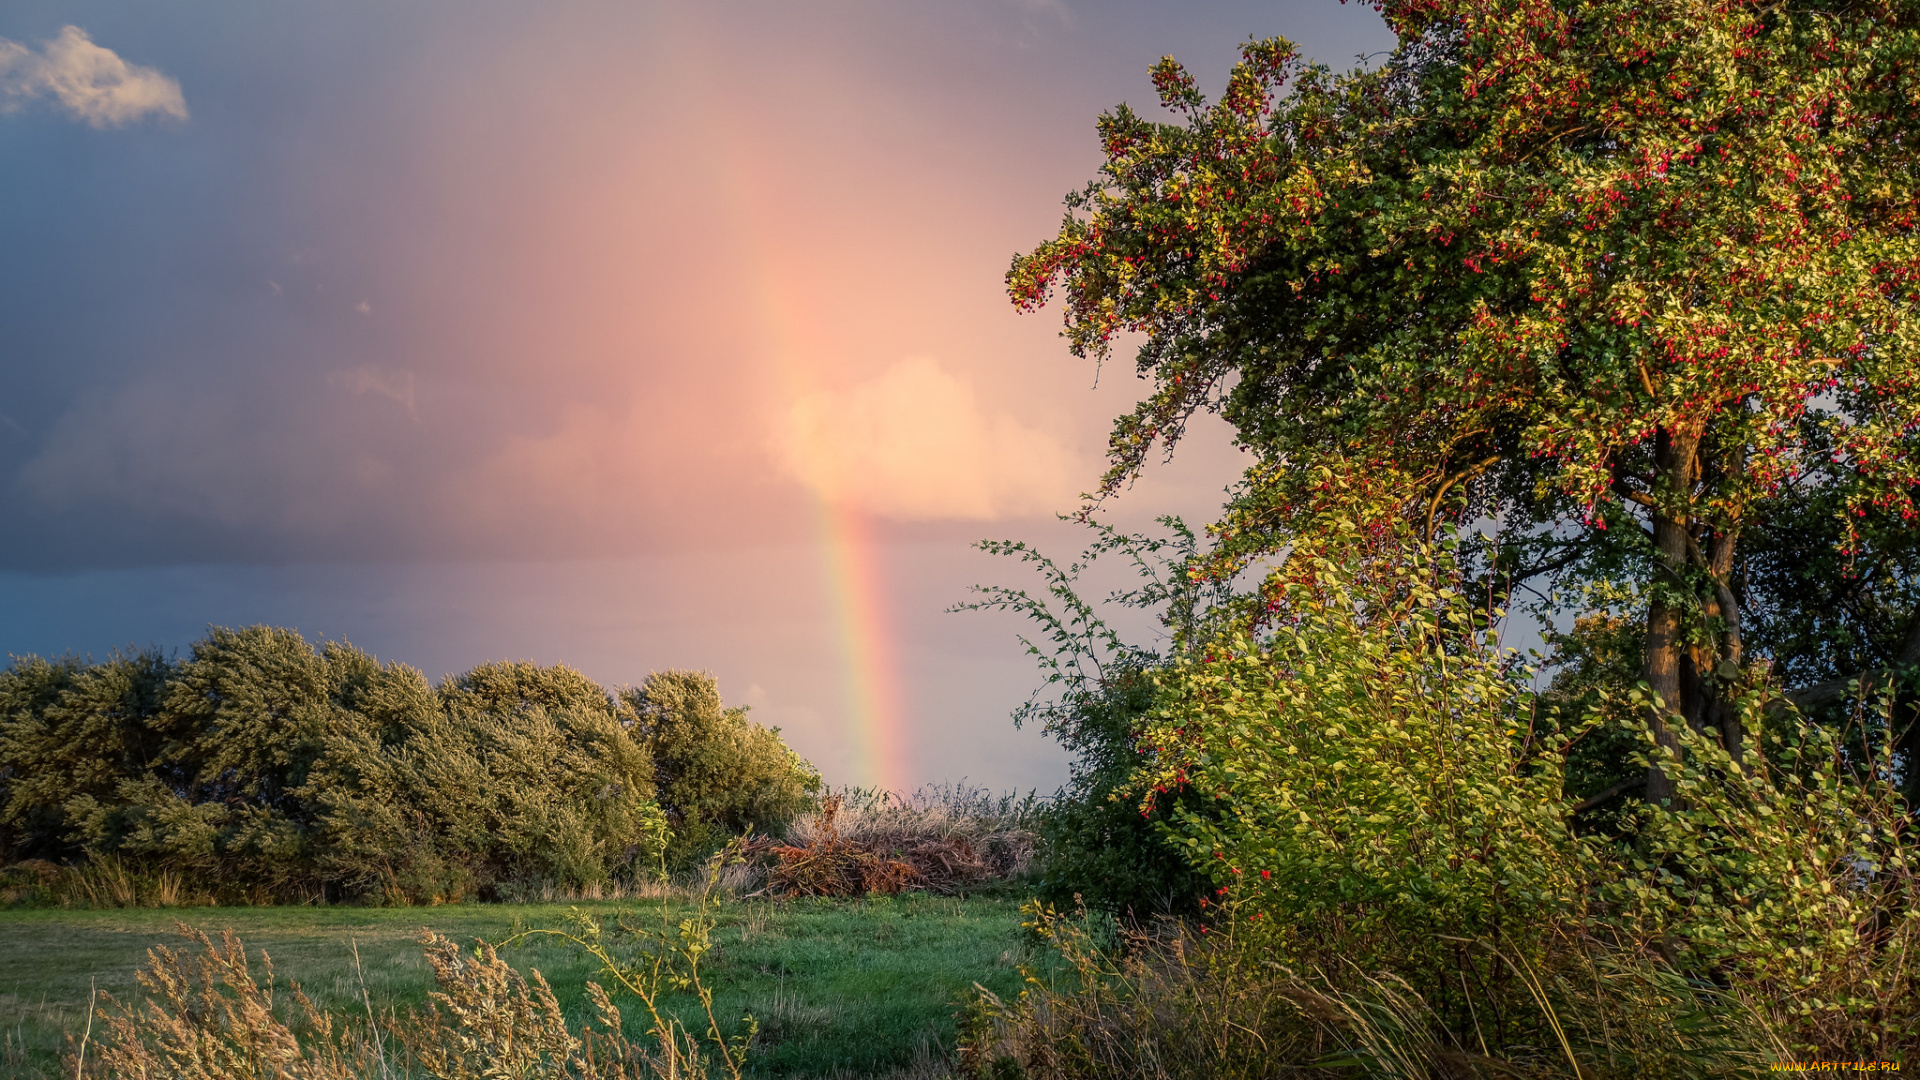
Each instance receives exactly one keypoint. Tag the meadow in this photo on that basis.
(839, 987)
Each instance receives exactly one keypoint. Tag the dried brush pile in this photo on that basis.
(940, 840)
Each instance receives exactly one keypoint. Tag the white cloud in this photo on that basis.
(915, 444)
(91, 83)
(394, 383)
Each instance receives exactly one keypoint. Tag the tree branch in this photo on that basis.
(1633, 495)
(1468, 473)
(1606, 796)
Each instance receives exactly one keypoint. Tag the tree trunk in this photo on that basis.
(1722, 717)
(1668, 667)
(1721, 603)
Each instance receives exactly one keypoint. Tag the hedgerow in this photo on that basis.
(264, 768)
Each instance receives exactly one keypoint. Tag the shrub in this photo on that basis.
(718, 773)
(243, 719)
(1390, 801)
(1790, 877)
(1098, 846)
(1383, 787)
(509, 773)
(392, 790)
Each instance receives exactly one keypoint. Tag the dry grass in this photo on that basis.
(101, 882)
(1168, 1004)
(550, 893)
(215, 1014)
(207, 1017)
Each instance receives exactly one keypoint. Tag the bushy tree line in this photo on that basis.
(269, 768)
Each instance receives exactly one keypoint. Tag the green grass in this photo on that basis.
(847, 987)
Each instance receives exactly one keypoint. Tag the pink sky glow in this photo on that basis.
(628, 335)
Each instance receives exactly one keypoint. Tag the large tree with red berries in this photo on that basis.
(1635, 278)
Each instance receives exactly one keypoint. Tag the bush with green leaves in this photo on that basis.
(1098, 846)
(1389, 795)
(242, 723)
(1790, 876)
(1380, 780)
(272, 769)
(717, 773)
(71, 730)
(509, 773)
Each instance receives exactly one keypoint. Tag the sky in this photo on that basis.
(628, 335)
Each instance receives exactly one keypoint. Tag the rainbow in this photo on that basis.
(851, 568)
(856, 583)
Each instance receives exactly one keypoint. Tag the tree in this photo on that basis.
(1631, 279)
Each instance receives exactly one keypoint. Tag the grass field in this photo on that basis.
(840, 987)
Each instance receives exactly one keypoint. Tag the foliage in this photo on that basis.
(1096, 846)
(1592, 167)
(1792, 878)
(1821, 610)
(1630, 279)
(1390, 797)
(261, 767)
(509, 773)
(1594, 663)
(1822, 615)
(243, 721)
(719, 774)
(70, 730)
(1384, 786)
(1631, 287)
